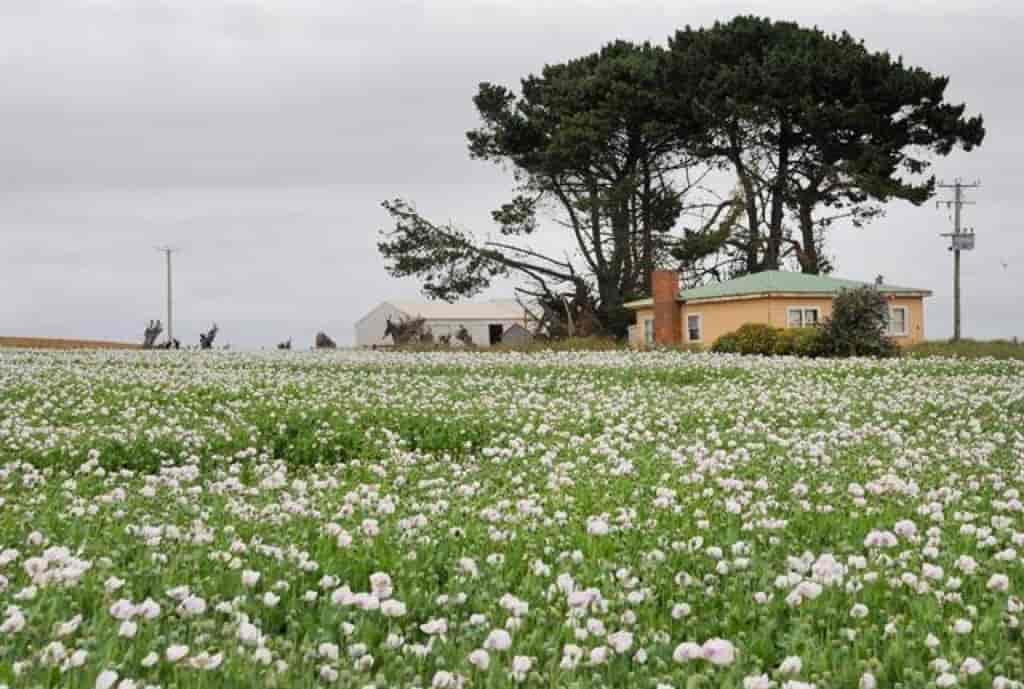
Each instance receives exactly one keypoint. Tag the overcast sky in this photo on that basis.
(259, 137)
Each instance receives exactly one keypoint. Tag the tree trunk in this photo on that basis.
(774, 248)
(750, 205)
(610, 286)
(647, 237)
(808, 253)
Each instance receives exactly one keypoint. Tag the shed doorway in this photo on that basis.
(494, 333)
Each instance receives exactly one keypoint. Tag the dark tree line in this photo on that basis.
(621, 150)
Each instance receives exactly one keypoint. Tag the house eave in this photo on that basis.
(640, 304)
(793, 295)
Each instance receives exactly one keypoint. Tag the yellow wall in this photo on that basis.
(779, 306)
(725, 316)
(914, 305)
(915, 319)
(636, 334)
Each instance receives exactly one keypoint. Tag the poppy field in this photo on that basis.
(445, 520)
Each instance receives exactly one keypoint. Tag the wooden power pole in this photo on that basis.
(961, 239)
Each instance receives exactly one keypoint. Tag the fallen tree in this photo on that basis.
(206, 339)
(152, 332)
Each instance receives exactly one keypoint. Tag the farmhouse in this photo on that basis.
(487, 322)
(783, 299)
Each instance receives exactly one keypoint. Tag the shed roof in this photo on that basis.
(780, 282)
(497, 310)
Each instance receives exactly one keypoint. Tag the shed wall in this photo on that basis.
(370, 329)
(516, 337)
(478, 330)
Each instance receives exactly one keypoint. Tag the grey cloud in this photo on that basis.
(260, 137)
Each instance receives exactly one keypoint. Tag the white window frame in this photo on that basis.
(906, 322)
(700, 327)
(648, 334)
(802, 310)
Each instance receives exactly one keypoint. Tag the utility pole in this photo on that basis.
(961, 239)
(167, 251)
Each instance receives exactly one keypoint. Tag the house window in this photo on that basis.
(694, 328)
(649, 331)
(896, 324)
(801, 316)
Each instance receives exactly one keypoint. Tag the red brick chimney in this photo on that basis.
(668, 326)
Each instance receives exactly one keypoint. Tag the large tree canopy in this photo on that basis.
(614, 149)
(814, 126)
(595, 145)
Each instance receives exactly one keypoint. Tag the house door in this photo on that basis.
(494, 333)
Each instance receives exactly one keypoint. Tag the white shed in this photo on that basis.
(485, 321)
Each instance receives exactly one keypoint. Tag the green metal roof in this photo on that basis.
(774, 281)
(778, 282)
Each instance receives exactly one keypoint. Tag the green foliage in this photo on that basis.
(518, 216)
(253, 496)
(806, 342)
(588, 140)
(971, 349)
(842, 126)
(785, 341)
(857, 325)
(697, 245)
(303, 437)
(728, 343)
(593, 343)
(749, 338)
(447, 259)
(690, 347)
(815, 127)
(855, 328)
(592, 142)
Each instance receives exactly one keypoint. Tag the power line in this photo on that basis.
(167, 251)
(961, 239)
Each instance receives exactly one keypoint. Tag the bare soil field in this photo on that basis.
(58, 343)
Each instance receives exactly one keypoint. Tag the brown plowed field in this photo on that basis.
(57, 343)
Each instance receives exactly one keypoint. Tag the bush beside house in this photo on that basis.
(855, 328)
(857, 325)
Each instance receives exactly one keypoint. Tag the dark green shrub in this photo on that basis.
(749, 338)
(785, 342)
(809, 341)
(756, 338)
(857, 325)
(726, 344)
(691, 347)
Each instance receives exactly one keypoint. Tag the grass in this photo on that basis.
(970, 349)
